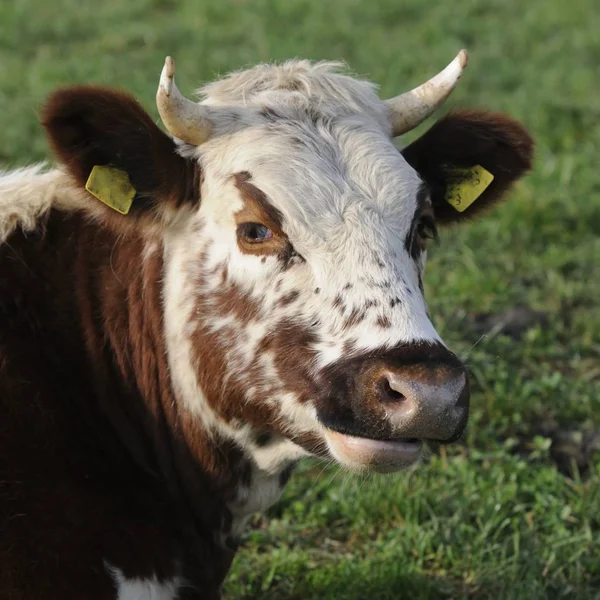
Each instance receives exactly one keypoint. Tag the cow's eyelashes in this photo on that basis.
(254, 233)
(426, 228)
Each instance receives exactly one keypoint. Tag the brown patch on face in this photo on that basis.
(231, 402)
(291, 346)
(212, 350)
(257, 209)
(215, 355)
(233, 301)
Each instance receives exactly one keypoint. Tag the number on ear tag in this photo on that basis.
(466, 186)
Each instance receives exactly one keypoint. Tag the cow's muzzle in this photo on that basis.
(382, 409)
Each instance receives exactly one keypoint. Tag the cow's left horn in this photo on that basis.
(183, 118)
(411, 108)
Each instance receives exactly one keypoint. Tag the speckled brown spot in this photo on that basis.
(338, 303)
(383, 321)
(356, 316)
(288, 298)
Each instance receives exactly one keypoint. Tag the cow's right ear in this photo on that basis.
(470, 159)
(97, 127)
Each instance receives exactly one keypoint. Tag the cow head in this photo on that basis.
(294, 236)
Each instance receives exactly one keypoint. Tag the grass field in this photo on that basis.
(514, 512)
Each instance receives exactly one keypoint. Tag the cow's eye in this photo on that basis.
(426, 228)
(254, 233)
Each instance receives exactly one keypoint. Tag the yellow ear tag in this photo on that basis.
(466, 186)
(112, 187)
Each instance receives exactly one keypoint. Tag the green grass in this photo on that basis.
(494, 518)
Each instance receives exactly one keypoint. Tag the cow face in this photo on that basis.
(295, 236)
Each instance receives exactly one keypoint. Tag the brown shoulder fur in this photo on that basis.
(97, 463)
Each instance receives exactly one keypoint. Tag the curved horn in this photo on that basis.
(411, 108)
(183, 118)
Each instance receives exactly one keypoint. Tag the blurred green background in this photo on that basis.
(514, 512)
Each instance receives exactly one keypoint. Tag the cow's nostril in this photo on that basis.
(389, 394)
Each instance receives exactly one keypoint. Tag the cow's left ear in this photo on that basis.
(138, 170)
(470, 159)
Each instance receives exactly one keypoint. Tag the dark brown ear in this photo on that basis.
(89, 126)
(464, 139)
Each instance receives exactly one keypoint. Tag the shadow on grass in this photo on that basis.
(407, 586)
(327, 586)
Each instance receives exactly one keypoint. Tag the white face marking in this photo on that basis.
(145, 589)
(323, 157)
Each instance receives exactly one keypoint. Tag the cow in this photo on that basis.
(184, 315)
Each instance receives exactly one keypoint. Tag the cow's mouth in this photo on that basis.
(368, 454)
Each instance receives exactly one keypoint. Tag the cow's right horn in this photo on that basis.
(411, 108)
(183, 118)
